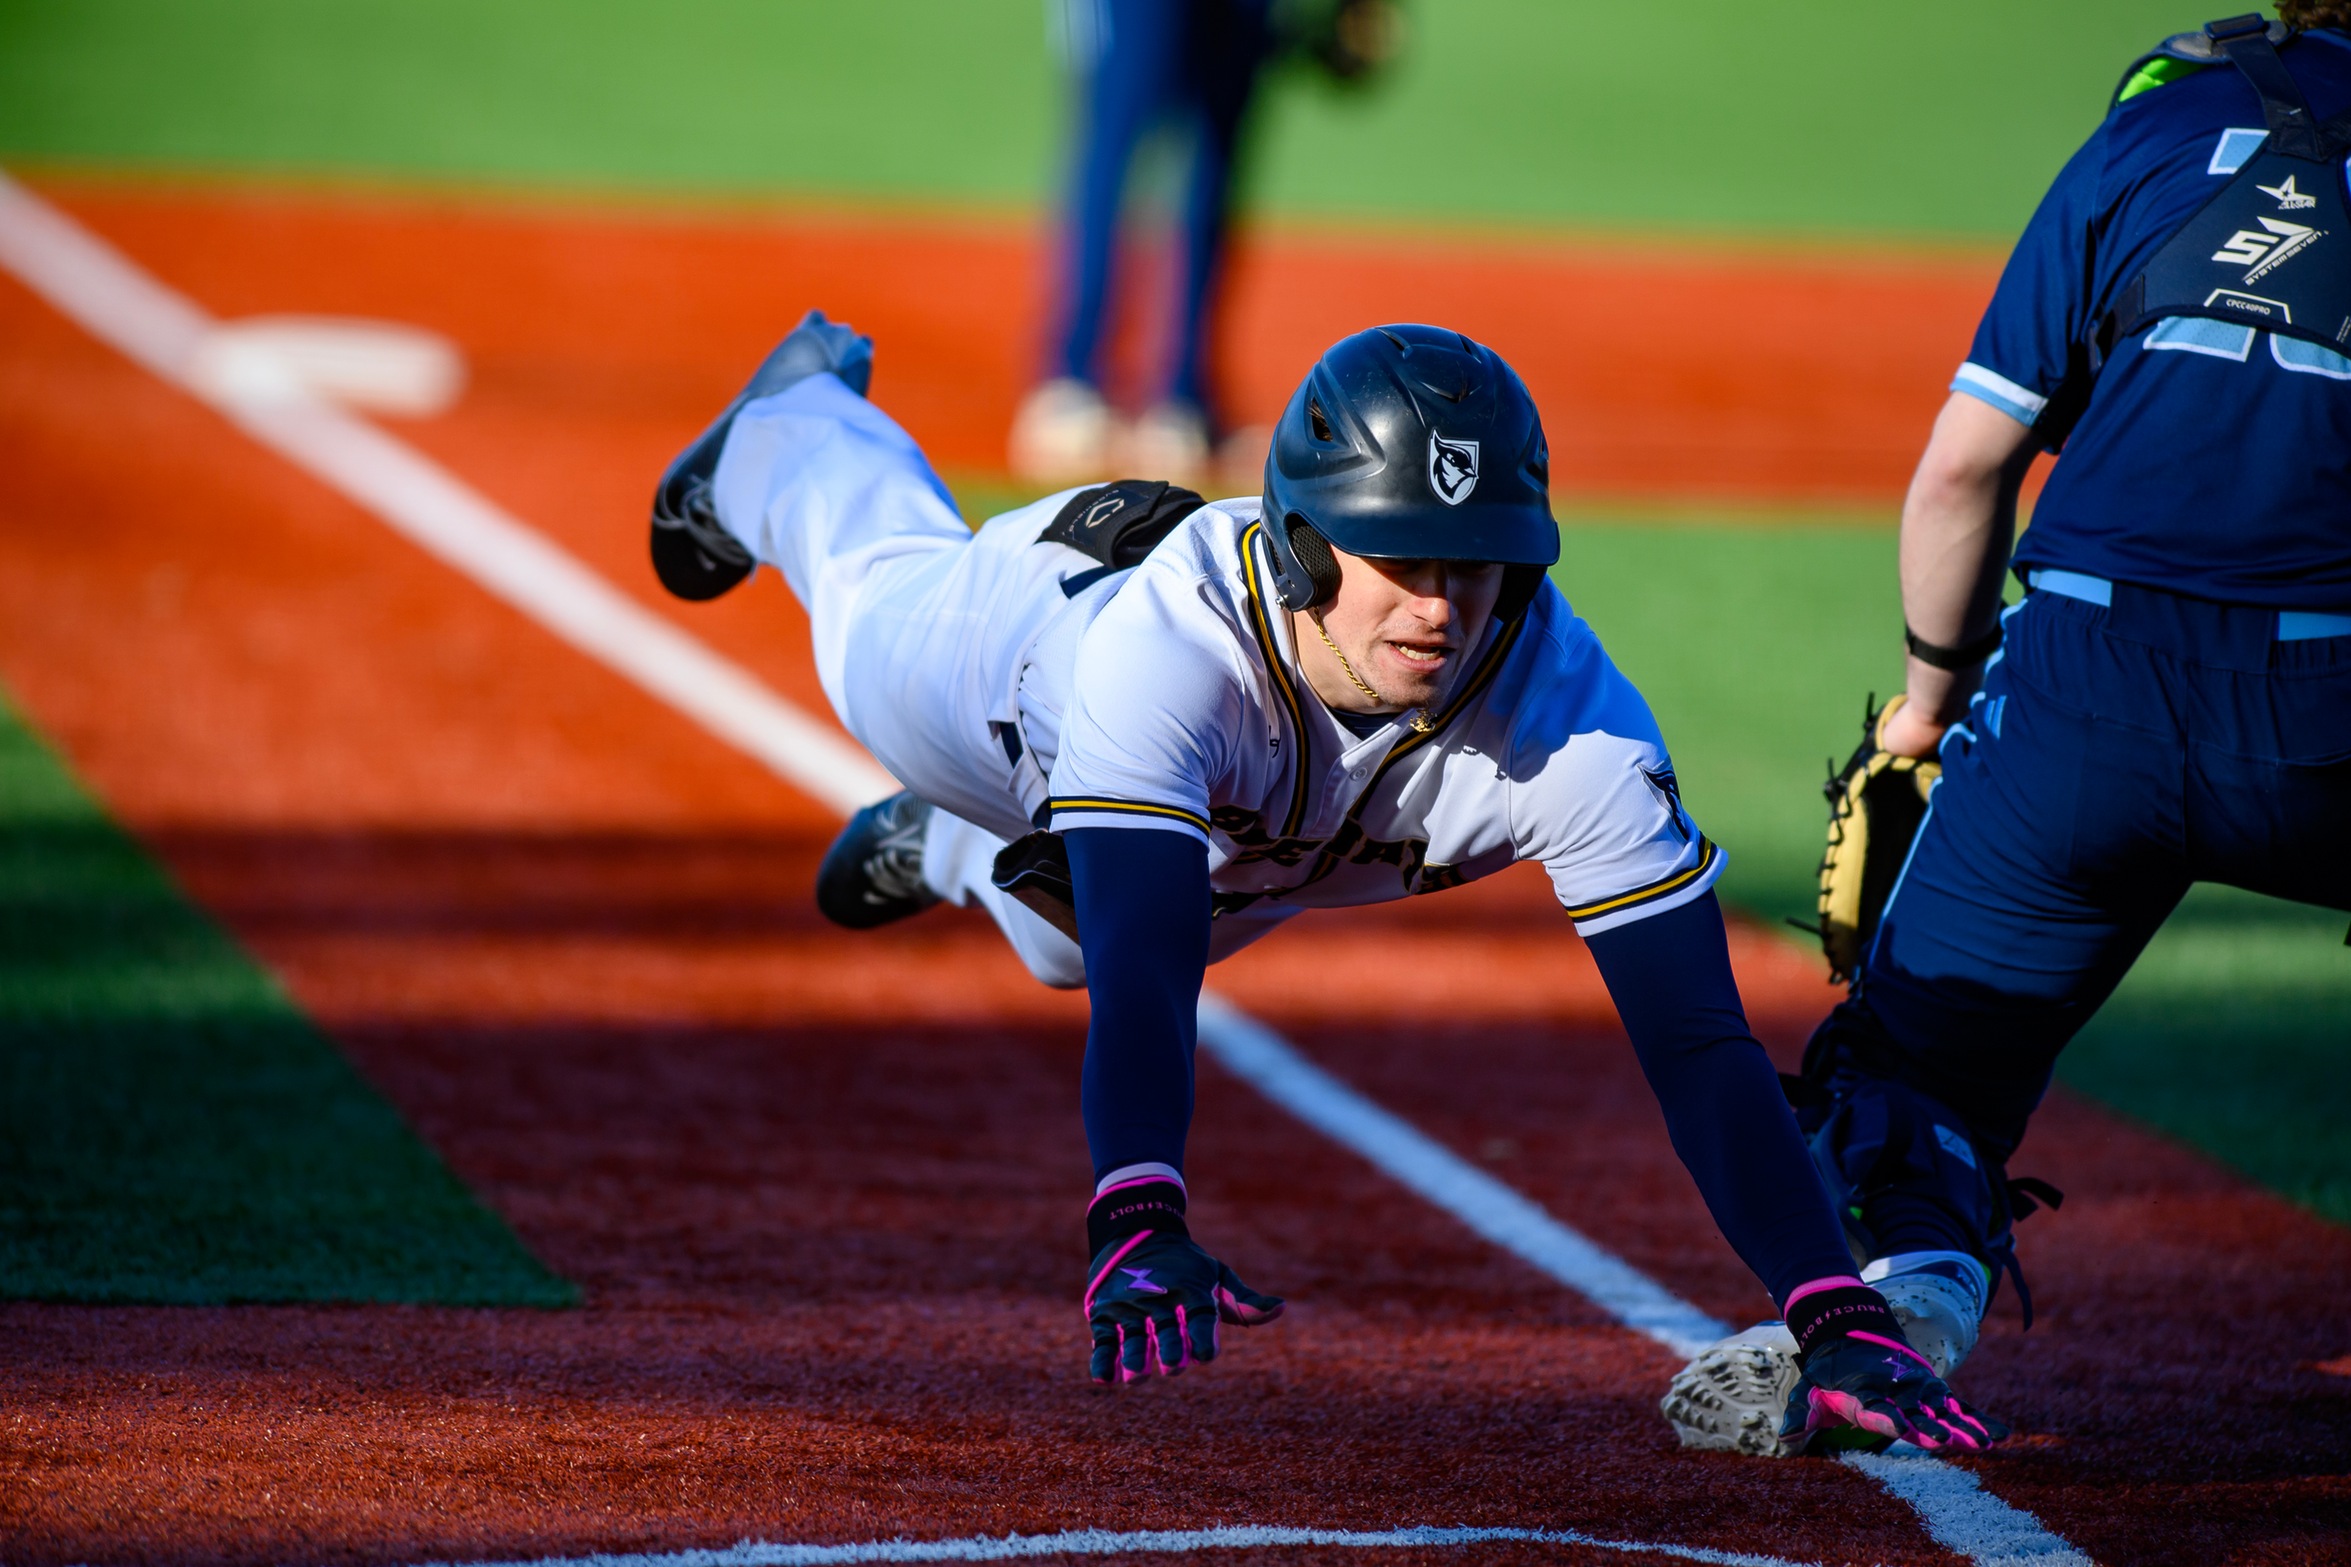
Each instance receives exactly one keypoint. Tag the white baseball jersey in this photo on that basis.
(1015, 683)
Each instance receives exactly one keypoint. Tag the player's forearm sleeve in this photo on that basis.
(1670, 976)
(1142, 905)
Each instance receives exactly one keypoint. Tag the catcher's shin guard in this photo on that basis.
(1939, 1298)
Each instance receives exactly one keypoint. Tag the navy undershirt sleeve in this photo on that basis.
(1142, 905)
(1670, 976)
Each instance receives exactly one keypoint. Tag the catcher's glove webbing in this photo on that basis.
(1875, 807)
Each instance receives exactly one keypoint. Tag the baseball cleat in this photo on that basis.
(1938, 1297)
(695, 557)
(1732, 1398)
(872, 875)
(1062, 434)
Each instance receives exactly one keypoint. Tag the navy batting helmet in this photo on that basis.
(1409, 443)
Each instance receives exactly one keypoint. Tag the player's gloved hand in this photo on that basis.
(1153, 1297)
(1859, 1375)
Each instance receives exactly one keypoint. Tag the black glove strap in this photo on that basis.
(1133, 1206)
(1965, 656)
(1829, 1314)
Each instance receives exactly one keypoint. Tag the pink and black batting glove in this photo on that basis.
(1859, 1374)
(1153, 1297)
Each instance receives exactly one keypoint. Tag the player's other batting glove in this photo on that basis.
(1153, 1297)
(1860, 1375)
(693, 555)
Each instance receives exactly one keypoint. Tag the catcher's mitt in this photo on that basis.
(1350, 40)
(1875, 807)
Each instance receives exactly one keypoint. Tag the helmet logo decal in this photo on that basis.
(1453, 468)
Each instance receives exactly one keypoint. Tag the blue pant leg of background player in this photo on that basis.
(1226, 44)
(1192, 64)
(1128, 56)
(2116, 755)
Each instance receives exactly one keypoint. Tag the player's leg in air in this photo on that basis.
(904, 604)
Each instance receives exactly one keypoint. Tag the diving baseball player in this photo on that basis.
(2171, 702)
(1143, 731)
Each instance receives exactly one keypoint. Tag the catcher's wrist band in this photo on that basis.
(1965, 656)
(1153, 1203)
(1818, 1315)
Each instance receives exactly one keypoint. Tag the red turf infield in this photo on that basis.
(820, 1191)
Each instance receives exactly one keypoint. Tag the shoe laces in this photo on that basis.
(893, 868)
(694, 512)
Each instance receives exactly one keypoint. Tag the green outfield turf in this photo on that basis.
(2233, 1033)
(1798, 117)
(172, 1130)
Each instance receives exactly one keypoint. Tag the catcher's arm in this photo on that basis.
(1958, 523)
(1957, 526)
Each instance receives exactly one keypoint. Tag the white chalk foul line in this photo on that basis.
(96, 286)
(1965, 1518)
(1956, 1509)
(106, 293)
(1111, 1542)
(1263, 1059)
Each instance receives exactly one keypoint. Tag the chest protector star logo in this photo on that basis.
(1453, 469)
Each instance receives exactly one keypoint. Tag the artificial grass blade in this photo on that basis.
(172, 1129)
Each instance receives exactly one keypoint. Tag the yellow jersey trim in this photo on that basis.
(1674, 883)
(1130, 808)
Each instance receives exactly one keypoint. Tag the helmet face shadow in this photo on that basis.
(1409, 443)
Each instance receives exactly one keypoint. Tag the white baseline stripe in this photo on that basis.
(1520, 1226)
(1963, 1516)
(1107, 1542)
(96, 286)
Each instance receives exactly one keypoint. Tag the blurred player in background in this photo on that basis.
(1191, 66)
(2171, 702)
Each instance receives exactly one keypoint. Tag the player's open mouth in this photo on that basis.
(1427, 657)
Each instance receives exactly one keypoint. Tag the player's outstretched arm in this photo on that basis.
(1153, 1295)
(1670, 976)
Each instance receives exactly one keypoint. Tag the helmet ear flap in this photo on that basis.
(1520, 584)
(1315, 579)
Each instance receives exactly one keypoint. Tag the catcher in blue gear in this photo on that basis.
(2170, 703)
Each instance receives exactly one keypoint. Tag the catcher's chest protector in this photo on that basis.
(2273, 249)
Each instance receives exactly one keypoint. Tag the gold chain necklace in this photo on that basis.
(1419, 721)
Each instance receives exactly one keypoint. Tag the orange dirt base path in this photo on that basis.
(822, 1192)
(1666, 370)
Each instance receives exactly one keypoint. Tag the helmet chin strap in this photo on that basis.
(1420, 720)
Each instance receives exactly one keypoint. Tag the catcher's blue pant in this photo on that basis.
(1143, 62)
(2120, 751)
